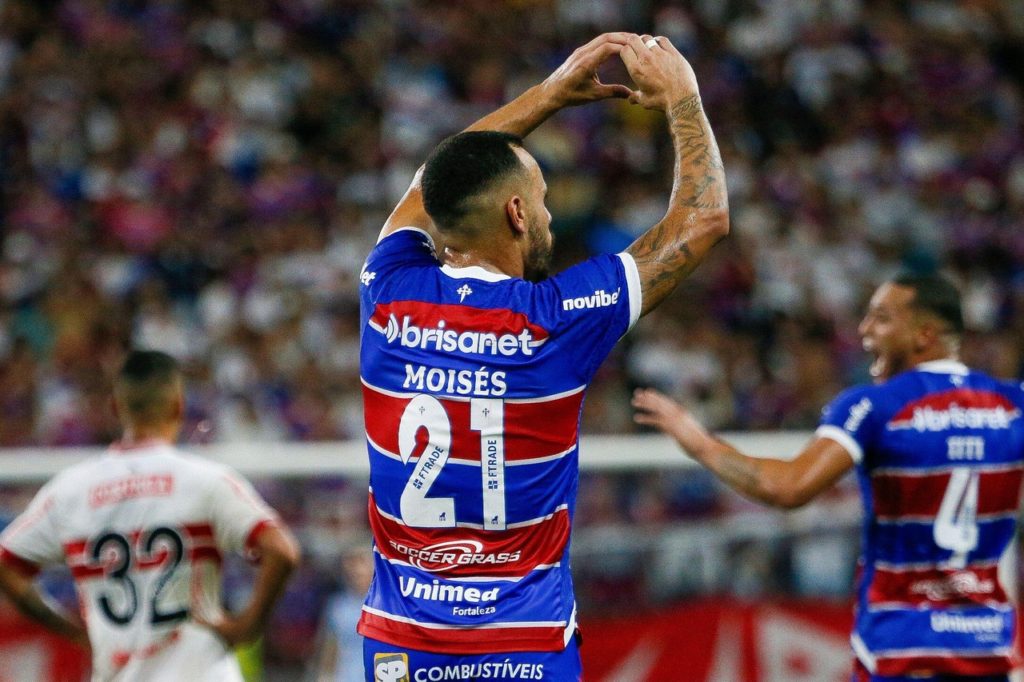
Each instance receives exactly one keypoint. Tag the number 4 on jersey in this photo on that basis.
(956, 526)
(425, 411)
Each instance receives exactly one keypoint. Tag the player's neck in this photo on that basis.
(136, 435)
(934, 354)
(501, 261)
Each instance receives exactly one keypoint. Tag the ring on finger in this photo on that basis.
(651, 42)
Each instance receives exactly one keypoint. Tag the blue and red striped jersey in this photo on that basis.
(940, 453)
(473, 384)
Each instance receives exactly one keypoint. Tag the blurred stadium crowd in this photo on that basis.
(206, 178)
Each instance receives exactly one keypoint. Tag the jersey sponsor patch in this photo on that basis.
(494, 332)
(391, 667)
(960, 408)
(130, 488)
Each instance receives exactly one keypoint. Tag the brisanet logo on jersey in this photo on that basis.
(439, 337)
(598, 299)
(437, 591)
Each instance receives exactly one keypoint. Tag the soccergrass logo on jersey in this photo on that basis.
(391, 667)
(492, 332)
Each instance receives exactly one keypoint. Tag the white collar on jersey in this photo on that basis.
(473, 272)
(944, 366)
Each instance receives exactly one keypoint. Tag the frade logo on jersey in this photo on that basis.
(391, 667)
(598, 299)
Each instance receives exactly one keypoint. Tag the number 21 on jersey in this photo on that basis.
(486, 418)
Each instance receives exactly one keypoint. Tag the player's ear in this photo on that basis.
(927, 334)
(515, 212)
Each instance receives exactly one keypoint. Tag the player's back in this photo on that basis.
(941, 478)
(473, 384)
(143, 531)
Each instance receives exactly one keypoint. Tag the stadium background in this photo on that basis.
(206, 178)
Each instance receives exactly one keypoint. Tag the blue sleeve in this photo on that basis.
(407, 247)
(592, 305)
(849, 421)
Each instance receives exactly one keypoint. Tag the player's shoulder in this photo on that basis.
(405, 243)
(858, 393)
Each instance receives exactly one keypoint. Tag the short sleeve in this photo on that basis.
(32, 539)
(848, 421)
(594, 303)
(405, 247)
(239, 513)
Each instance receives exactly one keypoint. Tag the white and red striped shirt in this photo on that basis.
(143, 530)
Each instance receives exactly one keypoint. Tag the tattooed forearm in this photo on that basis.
(699, 174)
(698, 214)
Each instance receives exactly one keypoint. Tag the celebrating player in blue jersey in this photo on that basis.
(474, 368)
(939, 451)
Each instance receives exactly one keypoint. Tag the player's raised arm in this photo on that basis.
(574, 82)
(698, 212)
(779, 483)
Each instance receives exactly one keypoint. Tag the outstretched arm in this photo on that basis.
(25, 595)
(698, 212)
(574, 82)
(779, 483)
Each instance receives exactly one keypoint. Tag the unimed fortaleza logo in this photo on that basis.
(598, 299)
(410, 335)
(968, 625)
(391, 667)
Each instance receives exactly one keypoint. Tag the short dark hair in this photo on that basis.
(146, 384)
(463, 166)
(934, 294)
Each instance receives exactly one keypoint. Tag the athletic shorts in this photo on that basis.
(389, 663)
(861, 674)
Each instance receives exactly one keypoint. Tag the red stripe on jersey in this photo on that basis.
(205, 554)
(19, 564)
(937, 587)
(74, 549)
(198, 531)
(400, 320)
(966, 405)
(952, 663)
(532, 429)
(897, 495)
(467, 640)
(86, 572)
(453, 552)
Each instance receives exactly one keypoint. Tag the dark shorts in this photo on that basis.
(861, 674)
(390, 663)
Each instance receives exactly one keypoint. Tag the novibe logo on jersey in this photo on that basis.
(598, 299)
(441, 338)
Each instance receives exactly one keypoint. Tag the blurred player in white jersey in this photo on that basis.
(144, 529)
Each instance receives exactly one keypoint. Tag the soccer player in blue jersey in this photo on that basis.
(474, 367)
(939, 451)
